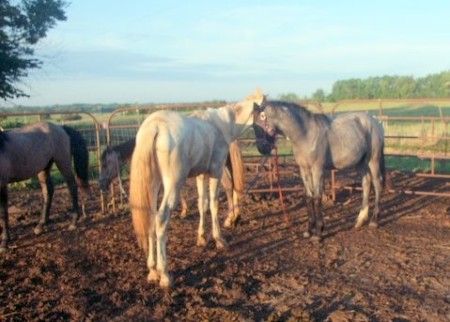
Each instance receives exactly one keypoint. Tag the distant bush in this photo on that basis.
(71, 117)
(8, 124)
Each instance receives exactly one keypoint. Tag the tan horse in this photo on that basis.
(170, 147)
(32, 150)
(114, 157)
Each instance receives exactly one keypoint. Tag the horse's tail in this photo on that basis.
(237, 168)
(144, 177)
(80, 155)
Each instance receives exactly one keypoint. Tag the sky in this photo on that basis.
(146, 51)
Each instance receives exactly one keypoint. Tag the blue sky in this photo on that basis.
(142, 51)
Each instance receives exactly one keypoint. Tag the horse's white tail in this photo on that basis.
(144, 179)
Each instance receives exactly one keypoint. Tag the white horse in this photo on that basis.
(170, 147)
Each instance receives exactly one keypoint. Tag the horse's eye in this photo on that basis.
(263, 116)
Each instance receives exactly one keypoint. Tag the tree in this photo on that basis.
(319, 95)
(290, 97)
(22, 25)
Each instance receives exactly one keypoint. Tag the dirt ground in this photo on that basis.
(398, 272)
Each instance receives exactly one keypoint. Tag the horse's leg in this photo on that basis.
(153, 275)
(202, 203)
(184, 207)
(318, 182)
(364, 212)
(318, 211)
(64, 167)
(4, 217)
(232, 198)
(233, 208)
(214, 206)
(151, 260)
(47, 187)
(162, 219)
(307, 182)
(161, 224)
(311, 216)
(378, 187)
(73, 189)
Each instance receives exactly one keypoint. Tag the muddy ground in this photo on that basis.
(398, 272)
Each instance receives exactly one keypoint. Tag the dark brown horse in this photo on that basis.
(32, 150)
(115, 157)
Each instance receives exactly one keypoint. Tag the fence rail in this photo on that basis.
(420, 137)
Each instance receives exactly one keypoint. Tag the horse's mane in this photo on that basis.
(299, 112)
(3, 139)
(217, 116)
(210, 114)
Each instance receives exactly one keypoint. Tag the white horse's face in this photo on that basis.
(244, 111)
(110, 169)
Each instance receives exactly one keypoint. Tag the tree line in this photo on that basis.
(393, 87)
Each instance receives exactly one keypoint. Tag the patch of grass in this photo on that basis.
(417, 165)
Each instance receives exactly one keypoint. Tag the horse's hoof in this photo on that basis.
(373, 225)
(152, 276)
(306, 234)
(201, 241)
(231, 222)
(315, 239)
(166, 281)
(221, 244)
(227, 223)
(38, 230)
(359, 224)
(72, 227)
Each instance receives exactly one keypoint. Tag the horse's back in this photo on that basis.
(182, 142)
(31, 148)
(353, 136)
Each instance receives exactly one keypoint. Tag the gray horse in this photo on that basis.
(322, 143)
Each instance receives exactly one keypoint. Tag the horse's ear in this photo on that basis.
(257, 96)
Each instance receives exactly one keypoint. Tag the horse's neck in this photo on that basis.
(232, 121)
(125, 150)
(296, 124)
(224, 120)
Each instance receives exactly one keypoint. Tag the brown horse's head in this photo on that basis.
(110, 169)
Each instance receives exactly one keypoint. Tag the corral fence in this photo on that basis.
(408, 135)
(416, 131)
